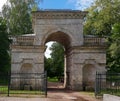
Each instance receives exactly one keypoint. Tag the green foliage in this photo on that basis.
(48, 66)
(102, 16)
(103, 20)
(114, 50)
(55, 64)
(115, 46)
(18, 15)
(4, 47)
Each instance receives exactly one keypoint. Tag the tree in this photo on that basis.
(102, 16)
(102, 20)
(48, 67)
(55, 64)
(114, 56)
(115, 46)
(18, 15)
(4, 47)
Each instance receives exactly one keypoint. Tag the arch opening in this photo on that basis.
(59, 37)
(65, 40)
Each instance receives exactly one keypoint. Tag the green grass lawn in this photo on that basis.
(87, 93)
(109, 91)
(54, 79)
(4, 90)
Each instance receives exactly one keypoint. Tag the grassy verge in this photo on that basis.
(54, 79)
(4, 90)
(88, 93)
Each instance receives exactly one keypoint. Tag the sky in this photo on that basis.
(59, 4)
(2, 3)
(66, 4)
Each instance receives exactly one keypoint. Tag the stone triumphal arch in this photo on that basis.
(84, 55)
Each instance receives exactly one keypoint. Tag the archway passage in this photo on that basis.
(62, 41)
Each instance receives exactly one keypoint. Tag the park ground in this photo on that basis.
(57, 93)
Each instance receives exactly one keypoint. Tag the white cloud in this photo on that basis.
(2, 2)
(81, 4)
(48, 51)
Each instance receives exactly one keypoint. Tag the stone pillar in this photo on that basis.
(76, 77)
(28, 54)
(68, 69)
(81, 57)
(73, 72)
(65, 69)
(21, 55)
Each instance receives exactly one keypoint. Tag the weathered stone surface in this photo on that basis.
(83, 57)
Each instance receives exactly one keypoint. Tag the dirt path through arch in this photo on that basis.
(57, 91)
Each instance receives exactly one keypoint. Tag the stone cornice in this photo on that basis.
(83, 47)
(59, 14)
(34, 48)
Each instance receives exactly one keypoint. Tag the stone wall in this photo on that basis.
(25, 54)
(26, 60)
(65, 27)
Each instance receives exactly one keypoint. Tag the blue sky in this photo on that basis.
(56, 4)
(61, 4)
(66, 4)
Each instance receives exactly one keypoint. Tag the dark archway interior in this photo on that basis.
(61, 38)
